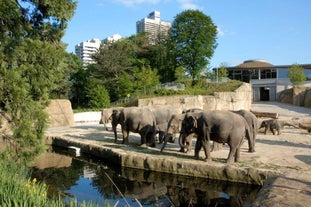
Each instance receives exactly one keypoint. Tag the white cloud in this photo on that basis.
(220, 32)
(135, 2)
(189, 4)
(184, 4)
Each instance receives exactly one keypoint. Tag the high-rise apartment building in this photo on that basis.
(153, 25)
(86, 49)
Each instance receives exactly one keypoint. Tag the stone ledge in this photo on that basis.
(155, 161)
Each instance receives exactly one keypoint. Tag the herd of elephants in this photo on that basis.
(220, 126)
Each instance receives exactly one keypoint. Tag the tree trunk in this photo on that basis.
(265, 114)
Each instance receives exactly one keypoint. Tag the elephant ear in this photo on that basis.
(116, 114)
(190, 123)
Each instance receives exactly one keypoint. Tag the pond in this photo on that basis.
(89, 179)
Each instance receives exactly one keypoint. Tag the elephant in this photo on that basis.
(137, 120)
(252, 122)
(220, 126)
(174, 126)
(162, 115)
(106, 116)
(275, 125)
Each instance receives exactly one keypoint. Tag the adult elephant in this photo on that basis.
(162, 115)
(174, 127)
(137, 120)
(219, 126)
(105, 116)
(252, 122)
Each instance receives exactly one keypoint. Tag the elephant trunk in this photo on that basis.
(182, 137)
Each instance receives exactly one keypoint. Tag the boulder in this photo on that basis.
(60, 113)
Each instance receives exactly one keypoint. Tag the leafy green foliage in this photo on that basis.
(193, 37)
(32, 67)
(122, 67)
(98, 96)
(201, 88)
(222, 72)
(296, 74)
(17, 189)
(78, 96)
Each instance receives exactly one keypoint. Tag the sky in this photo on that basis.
(278, 31)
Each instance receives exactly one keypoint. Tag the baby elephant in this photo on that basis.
(272, 124)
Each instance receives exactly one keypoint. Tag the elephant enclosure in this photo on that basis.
(287, 155)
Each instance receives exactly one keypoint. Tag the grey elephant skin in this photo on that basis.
(174, 127)
(275, 125)
(162, 115)
(105, 116)
(252, 122)
(219, 126)
(137, 120)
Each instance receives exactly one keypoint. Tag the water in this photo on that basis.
(89, 179)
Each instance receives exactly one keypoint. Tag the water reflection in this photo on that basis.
(95, 180)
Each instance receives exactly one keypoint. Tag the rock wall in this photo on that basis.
(298, 96)
(60, 113)
(241, 98)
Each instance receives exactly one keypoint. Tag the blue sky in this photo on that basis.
(278, 31)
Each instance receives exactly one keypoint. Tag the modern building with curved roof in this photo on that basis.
(267, 80)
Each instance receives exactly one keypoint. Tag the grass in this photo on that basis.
(17, 189)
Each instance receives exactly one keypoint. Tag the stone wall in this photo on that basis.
(60, 113)
(298, 96)
(241, 98)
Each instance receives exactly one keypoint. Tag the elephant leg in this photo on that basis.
(232, 154)
(151, 139)
(143, 139)
(198, 146)
(125, 134)
(207, 150)
(114, 128)
(161, 137)
(166, 137)
(238, 149)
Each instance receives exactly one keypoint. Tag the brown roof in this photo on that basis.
(255, 63)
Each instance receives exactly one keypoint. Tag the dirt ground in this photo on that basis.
(288, 153)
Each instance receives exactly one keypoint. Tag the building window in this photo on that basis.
(267, 74)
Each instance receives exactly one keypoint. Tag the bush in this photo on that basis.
(98, 97)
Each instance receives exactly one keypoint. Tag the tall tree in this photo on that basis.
(31, 54)
(112, 60)
(296, 74)
(193, 36)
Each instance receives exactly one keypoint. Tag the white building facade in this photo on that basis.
(153, 25)
(86, 49)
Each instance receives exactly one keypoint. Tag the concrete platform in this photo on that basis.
(282, 164)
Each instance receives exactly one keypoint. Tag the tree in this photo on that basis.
(124, 66)
(112, 60)
(78, 93)
(145, 78)
(31, 54)
(193, 36)
(98, 96)
(70, 65)
(296, 74)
